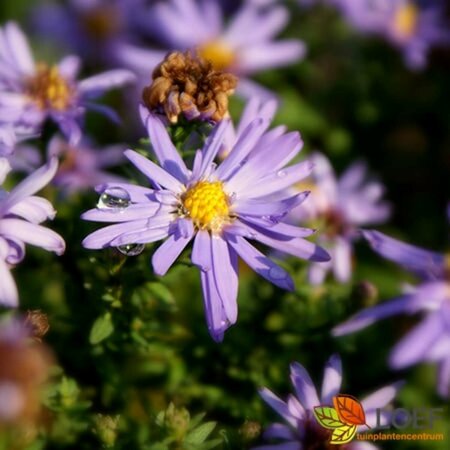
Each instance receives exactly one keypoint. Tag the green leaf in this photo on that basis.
(327, 417)
(102, 328)
(343, 435)
(161, 292)
(201, 433)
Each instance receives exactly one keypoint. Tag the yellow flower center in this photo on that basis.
(48, 89)
(405, 19)
(219, 54)
(207, 205)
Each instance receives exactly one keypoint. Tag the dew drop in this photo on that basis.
(277, 273)
(131, 249)
(281, 173)
(114, 198)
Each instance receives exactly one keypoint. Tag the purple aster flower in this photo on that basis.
(429, 340)
(412, 26)
(220, 208)
(340, 207)
(244, 46)
(301, 429)
(21, 212)
(82, 166)
(30, 93)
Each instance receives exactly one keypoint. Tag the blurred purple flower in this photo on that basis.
(21, 212)
(430, 339)
(30, 93)
(83, 166)
(221, 208)
(302, 428)
(412, 26)
(244, 46)
(340, 207)
(94, 29)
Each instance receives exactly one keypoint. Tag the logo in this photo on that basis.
(343, 419)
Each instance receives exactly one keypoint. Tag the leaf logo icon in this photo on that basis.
(343, 435)
(327, 417)
(349, 410)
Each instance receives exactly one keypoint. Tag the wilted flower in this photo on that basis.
(82, 166)
(24, 369)
(21, 212)
(430, 339)
(412, 26)
(32, 92)
(187, 84)
(243, 47)
(221, 208)
(302, 430)
(340, 207)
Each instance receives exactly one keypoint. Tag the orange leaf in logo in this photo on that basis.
(349, 409)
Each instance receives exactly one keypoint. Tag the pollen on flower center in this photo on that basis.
(48, 89)
(405, 20)
(219, 54)
(207, 205)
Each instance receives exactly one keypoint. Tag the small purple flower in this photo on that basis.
(220, 207)
(21, 212)
(340, 207)
(32, 92)
(430, 339)
(244, 46)
(301, 428)
(412, 26)
(83, 166)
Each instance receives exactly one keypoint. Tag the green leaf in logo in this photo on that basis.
(327, 417)
(343, 435)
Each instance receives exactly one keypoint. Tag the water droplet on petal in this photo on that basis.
(277, 273)
(281, 173)
(115, 198)
(131, 249)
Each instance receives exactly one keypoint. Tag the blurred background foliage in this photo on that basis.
(136, 367)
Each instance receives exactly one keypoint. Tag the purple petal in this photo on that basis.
(213, 145)
(415, 345)
(157, 228)
(332, 380)
(201, 250)
(260, 207)
(33, 209)
(225, 269)
(154, 172)
(304, 387)
(8, 289)
(244, 145)
(279, 431)
(279, 229)
(103, 237)
(165, 151)
(382, 397)
(32, 234)
(18, 48)
(170, 250)
(33, 183)
(371, 315)
(413, 258)
(132, 212)
(69, 67)
(278, 181)
(261, 264)
(270, 55)
(98, 84)
(342, 261)
(138, 194)
(277, 405)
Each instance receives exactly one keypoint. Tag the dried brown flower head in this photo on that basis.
(38, 323)
(24, 369)
(185, 83)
